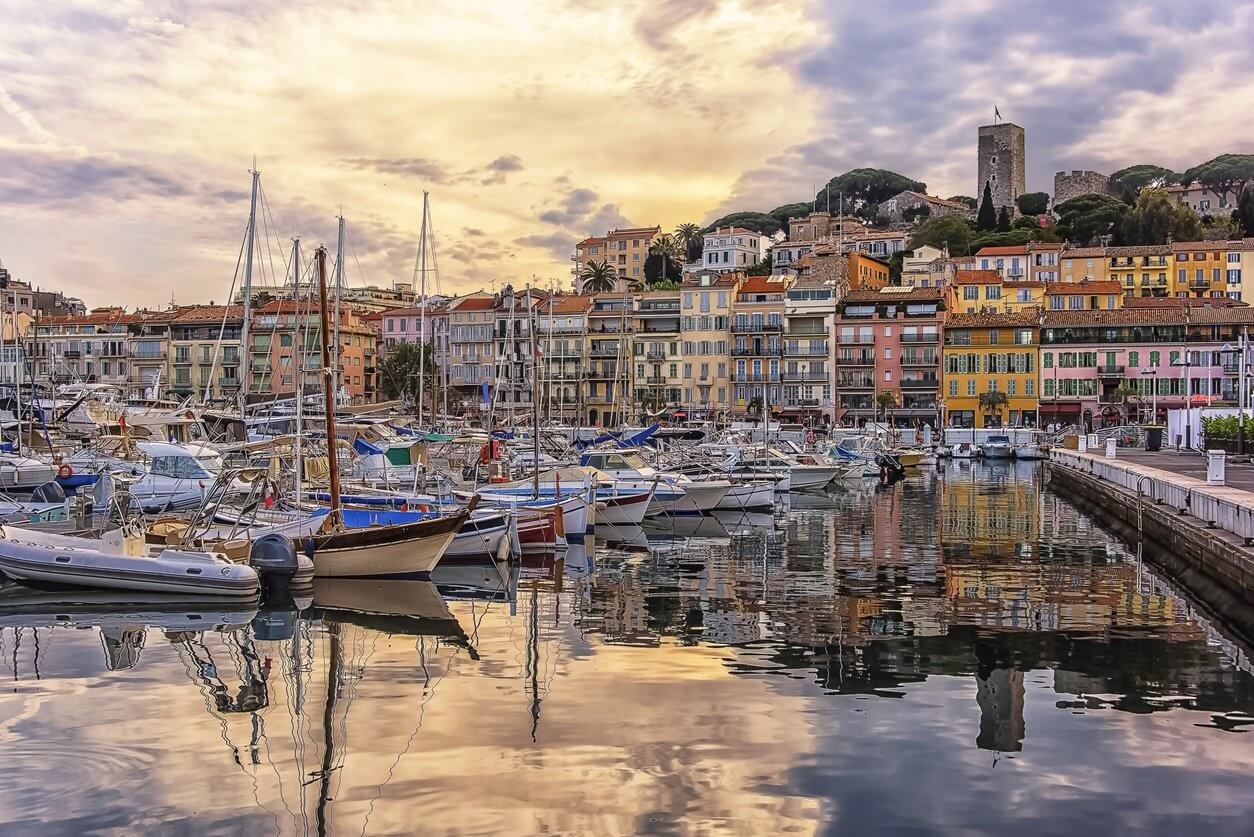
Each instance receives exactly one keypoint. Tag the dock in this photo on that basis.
(1203, 534)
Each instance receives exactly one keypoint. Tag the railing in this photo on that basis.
(603, 352)
(657, 379)
(749, 328)
(920, 383)
(755, 377)
(754, 351)
(919, 360)
(654, 354)
(1108, 371)
(853, 383)
(920, 338)
(182, 360)
(812, 375)
(859, 360)
(806, 351)
(658, 308)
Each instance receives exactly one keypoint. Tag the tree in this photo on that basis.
(917, 213)
(986, 219)
(262, 298)
(598, 278)
(654, 265)
(1222, 227)
(399, 371)
(759, 222)
(1003, 219)
(1033, 203)
(864, 189)
(1011, 238)
(1157, 217)
(762, 267)
(1225, 174)
(895, 263)
(1085, 219)
(967, 199)
(945, 231)
(1127, 183)
(1245, 208)
(1123, 395)
(992, 402)
(688, 235)
(794, 210)
(886, 400)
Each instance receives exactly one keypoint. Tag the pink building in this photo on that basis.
(1103, 367)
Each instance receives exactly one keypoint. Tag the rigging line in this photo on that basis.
(361, 274)
(270, 227)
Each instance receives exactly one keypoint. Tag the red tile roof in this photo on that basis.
(572, 304)
(1013, 250)
(1066, 288)
(1243, 315)
(895, 293)
(763, 285)
(209, 313)
(977, 277)
(473, 303)
(991, 320)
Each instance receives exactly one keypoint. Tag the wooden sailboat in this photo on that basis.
(400, 550)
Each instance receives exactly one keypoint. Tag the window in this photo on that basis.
(1134, 358)
(1029, 386)
(1048, 388)
(1047, 360)
(391, 325)
(1012, 387)
(971, 387)
(970, 292)
(953, 387)
(888, 377)
(1154, 359)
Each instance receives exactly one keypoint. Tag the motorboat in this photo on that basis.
(997, 447)
(1030, 444)
(120, 560)
(22, 473)
(964, 450)
(749, 495)
(355, 544)
(673, 493)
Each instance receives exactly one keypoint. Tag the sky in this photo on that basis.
(127, 128)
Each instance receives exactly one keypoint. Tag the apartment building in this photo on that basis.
(732, 248)
(985, 291)
(608, 368)
(1143, 271)
(514, 346)
(757, 343)
(991, 352)
(471, 320)
(286, 348)
(204, 351)
(809, 317)
(560, 329)
(706, 301)
(656, 351)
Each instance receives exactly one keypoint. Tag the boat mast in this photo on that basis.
(535, 399)
(339, 285)
(333, 465)
(422, 297)
(298, 340)
(17, 375)
(251, 238)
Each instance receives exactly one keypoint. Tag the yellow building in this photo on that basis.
(706, 300)
(1202, 268)
(624, 249)
(1084, 296)
(1143, 271)
(991, 352)
(986, 292)
(1084, 264)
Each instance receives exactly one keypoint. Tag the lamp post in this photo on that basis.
(1152, 374)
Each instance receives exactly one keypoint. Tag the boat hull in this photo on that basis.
(812, 477)
(747, 496)
(385, 551)
(627, 510)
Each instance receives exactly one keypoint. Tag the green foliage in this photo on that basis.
(653, 270)
(1025, 222)
(1156, 216)
(886, 400)
(1223, 427)
(1245, 209)
(597, 278)
(993, 401)
(1221, 227)
(793, 210)
(944, 231)
(1033, 203)
(1084, 219)
(759, 222)
(664, 286)
(866, 188)
(1003, 219)
(894, 266)
(916, 214)
(1013, 238)
(762, 268)
(1225, 174)
(967, 199)
(1127, 183)
(399, 371)
(986, 219)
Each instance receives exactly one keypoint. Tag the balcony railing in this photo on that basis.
(1108, 371)
(920, 383)
(919, 360)
(751, 328)
(857, 360)
(810, 375)
(855, 383)
(806, 351)
(930, 337)
(754, 351)
(655, 354)
(605, 352)
(860, 339)
(755, 377)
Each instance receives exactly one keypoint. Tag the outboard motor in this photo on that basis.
(49, 492)
(891, 468)
(275, 560)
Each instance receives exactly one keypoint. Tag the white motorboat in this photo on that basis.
(964, 450)
(120, 561)
(748, 496)
(673, 494)
(22, 473)
(1030, 444)
(997, 447)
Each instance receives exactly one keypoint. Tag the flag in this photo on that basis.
(996, 112)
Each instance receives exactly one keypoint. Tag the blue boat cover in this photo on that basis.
(363, 518)
(365, 448)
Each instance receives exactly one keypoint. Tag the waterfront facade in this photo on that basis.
(706, 305)
(991, 353)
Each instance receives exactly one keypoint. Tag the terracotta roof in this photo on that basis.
(1022, 283)
(1066, 288)
(591, 240)
(1083, 252)
(112, 316)
(433, 310)
(473, 303)
(1144, 250)
(575, 304)
(991, 320)
(1013, 250)
(632, 231)
(300, 306)
(874, 236)
(1190, 246)
(977, 277)
(1175, 315)
(895, 293)
(731, 231)
(763, 285)
(1178, 302)
(210, 313)
(725, 280)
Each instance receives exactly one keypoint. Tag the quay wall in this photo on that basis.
(1181, 527)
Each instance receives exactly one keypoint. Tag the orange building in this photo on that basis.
(285, 339)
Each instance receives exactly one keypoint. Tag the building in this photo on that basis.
(1083, 296)
(987, 292)
(706, 300)
(363, 298)
(471, 320)
(917, 266)
(823, 227)
(286, 347)
(888, 341)
(809, 339)
(416, 324)
(150, 371)
(624, 249)
(1035, 261)
(1104, 367)
(83, 348)
(757, 343)
(1207, 269)
(732, 248)
(786, 255)
(1002, 163)
(1083, 264)
(608, 364)
(1203, 200)
(865, 272)
(911, 206)
(561, 329)
(881, 244)
(1073, 184)
(987, 352)
(514, 347)
(204, 348)
(656, 351)
(1144, 270)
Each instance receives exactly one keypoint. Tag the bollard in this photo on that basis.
(1215, 467)
(1111, 444)
(1083, 444)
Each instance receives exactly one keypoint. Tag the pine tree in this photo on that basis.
(1245, 208)
(986, 219)
(1003, 219)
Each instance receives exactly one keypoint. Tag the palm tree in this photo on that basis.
(668, 249)
(992, 402)
(598, 278)
(886, 401)
(1122, 397)
(688, 235)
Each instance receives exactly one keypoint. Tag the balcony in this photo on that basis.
(857, 360)
(931, 337)
(806, 351)
(73, 353)
(1110, 371)
(804, 331)
(755, 377)
(853, 384)
(859, 340)
(228, 383)
(920, 383)
(607, 330)
(919, 360)
(655, 354)
(820, 375)
(604, 352)
(182, 360)
(656, 380)
(758, 328)
(754, 351)
(658, 308)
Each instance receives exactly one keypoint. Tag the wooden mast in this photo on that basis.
(333, 465)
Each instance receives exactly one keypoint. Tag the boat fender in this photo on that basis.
(309, 548)
(65, 472)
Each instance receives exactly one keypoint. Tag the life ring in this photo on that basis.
(65, 472)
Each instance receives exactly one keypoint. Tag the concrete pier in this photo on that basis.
(1204, 532)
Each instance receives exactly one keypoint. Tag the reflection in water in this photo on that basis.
(961, 652)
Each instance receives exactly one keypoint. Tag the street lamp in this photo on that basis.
(1188, 410)
(1152, 374)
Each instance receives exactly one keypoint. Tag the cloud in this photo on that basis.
(419, 167)
(498, 169)
(154, 27)
(473, 232)
(660, 21)
(35, 176)
(23, 116)
(574, 206)
(558, 244)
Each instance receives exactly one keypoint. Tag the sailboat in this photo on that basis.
(372, 551)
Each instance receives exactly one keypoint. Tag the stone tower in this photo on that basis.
(1003, 160)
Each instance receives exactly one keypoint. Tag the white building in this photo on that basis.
(732, 248)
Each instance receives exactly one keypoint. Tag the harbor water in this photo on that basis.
(963, 652)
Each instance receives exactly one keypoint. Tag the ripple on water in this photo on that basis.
(70, 775)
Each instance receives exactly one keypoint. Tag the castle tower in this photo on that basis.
(1003, 161)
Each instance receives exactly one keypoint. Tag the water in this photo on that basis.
(961, 653)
